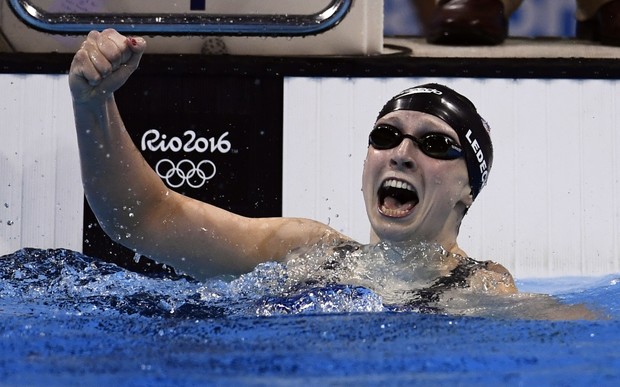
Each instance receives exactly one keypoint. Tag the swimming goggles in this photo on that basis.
(435, 145)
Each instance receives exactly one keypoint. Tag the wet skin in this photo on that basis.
(442, 186)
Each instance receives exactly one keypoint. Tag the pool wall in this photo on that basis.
(550, 208)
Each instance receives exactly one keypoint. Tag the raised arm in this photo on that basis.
(133, 205)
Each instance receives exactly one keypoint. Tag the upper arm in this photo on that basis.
(203, 240)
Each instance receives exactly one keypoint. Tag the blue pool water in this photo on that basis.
(68, 319)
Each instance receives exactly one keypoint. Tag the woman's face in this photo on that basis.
(412, 196)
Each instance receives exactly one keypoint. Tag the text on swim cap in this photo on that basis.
(479, 156)
(416, 90)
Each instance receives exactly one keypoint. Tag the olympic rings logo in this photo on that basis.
(185, 172)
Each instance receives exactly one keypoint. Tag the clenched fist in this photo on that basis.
(102, 65)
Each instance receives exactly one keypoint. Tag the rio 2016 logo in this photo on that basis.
(184, 172)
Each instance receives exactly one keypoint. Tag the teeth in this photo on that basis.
(398, 184)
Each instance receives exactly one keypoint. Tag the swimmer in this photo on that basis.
(428, 158)
(429, 155)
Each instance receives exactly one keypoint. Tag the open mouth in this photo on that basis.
(397, 198)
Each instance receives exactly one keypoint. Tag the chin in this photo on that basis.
(392, 235)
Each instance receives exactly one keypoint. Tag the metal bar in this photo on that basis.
(185, 23)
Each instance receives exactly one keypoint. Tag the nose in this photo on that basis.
(403, 155)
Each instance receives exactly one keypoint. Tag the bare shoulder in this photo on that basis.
(493, 277)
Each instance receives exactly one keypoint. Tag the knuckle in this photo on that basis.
(81, 56)
(92, 35)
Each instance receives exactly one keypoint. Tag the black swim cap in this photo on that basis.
(458, 112)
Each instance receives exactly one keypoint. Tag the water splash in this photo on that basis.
(350, 278)
(327, 279)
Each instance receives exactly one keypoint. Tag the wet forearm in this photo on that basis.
(117, 180)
